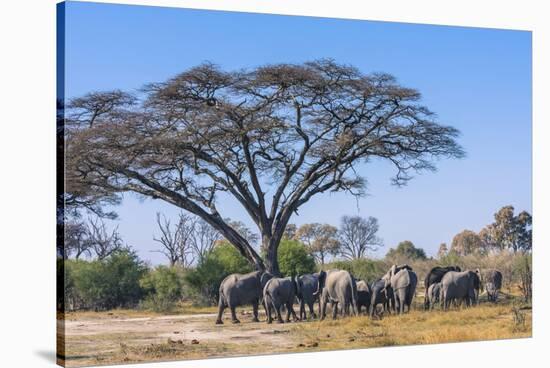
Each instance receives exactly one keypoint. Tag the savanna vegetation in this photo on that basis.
(270, 139)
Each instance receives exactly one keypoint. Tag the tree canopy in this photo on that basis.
(406, 250)
(271, 138)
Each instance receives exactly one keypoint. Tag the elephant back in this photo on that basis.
(402, 279)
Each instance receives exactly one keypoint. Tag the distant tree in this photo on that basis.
(442, 251)
(176, 240)
(467, 242)
(203, 239)
(406, 250)
(290, 231)
(294, 258)
(251, 237)
(77, 240)
(287, 132)
(357, 236)
(321, 240)
(511, 232)
(102, 241)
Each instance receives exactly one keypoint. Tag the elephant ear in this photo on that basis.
(320, 282)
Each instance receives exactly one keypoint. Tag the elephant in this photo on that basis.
(459, 286)
(307, 285)
(278, 292)
(363, 296)
(435, 275)
(403, 283)
(433, 294)
(381, 293)
(337, 287)
(493, 283)
(239, 289)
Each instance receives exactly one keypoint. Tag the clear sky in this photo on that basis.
(477, 80)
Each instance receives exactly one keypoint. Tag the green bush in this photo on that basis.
(294, 258)
(205, 279)
(110, 283)
(163, 287)
(362, 268)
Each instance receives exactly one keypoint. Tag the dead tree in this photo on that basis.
(102, 241)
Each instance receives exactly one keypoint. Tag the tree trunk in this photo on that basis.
(271, 259)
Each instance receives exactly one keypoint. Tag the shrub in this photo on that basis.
(205, 279)
(110, 283)
(163, 287)
(522, 269)
(405, 250)
(361, 268)
(294, 258)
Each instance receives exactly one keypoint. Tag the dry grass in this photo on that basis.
(507, 319)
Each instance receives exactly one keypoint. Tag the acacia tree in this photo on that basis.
(357, 236)
(271, 138)
(320, 239)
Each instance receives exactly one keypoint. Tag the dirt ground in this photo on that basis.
(133, 336)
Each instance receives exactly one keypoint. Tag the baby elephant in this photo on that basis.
(433, 294)
(279, 292)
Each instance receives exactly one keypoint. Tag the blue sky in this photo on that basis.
(478, 80)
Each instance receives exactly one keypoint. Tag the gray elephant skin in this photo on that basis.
(339, 288)
(363, 296)
(403, 283)
(434, 292)
(241, 289)
(307, 285)
(458, 287)
(280, 292)
(381, 293)
(493, 284)
(434, 276)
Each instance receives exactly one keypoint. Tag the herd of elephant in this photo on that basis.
(394, 291)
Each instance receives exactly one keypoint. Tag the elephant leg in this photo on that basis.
(334, 309)
(255, 311)
(311, 311)
(302, 309)
(290, 307)
(221, 307)
(233, 315)
(268, 309)
(323, 307)
(278, 310)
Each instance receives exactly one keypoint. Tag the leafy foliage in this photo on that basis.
(163, 287)
(406, 250)
(321, 240)
(105, 284)
(362, 268)
(222, 261)
(467, 242)
(294, 258)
